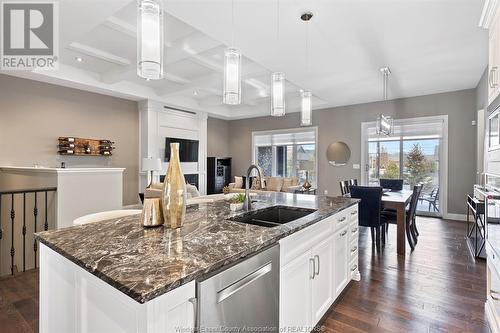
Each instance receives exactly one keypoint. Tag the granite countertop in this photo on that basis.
(146, 263)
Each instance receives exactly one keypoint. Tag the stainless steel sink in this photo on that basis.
(273, 216)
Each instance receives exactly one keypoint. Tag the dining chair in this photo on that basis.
(432, 198)
(369, 210)
(392, 184)
(107, 215)
(344, 187)
(353, 182)
(390, 216)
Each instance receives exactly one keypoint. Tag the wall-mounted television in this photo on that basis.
(188, 149)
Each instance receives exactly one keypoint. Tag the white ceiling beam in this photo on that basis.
(122, 26)
(188, 46)
(100, 54)
(124, 73)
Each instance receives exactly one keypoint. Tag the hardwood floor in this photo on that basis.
(437, 288)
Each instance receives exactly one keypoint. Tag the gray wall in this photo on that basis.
(34, 114)
(217, 137)
(344, 124)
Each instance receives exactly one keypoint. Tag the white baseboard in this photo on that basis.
(490, 316)
(456, 217)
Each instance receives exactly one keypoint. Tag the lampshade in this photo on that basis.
(151, 164)
(150, 39)
(232, 77)
(306, 109)
(278, 94)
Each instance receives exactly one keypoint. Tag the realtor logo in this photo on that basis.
(29, 35)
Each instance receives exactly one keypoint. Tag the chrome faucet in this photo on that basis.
(247, 205)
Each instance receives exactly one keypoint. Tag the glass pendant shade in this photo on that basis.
(384, 124)
(278, 95)
(306, 109)
(150, 39)
(232, 77)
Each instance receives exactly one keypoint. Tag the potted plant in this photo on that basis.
(237, 202)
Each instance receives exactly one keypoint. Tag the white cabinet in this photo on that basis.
(74, 300)
(342, 257)
(322, 282)
(494, 56)
(295, 292)
(315, 269)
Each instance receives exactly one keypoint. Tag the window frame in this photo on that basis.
(285, 131)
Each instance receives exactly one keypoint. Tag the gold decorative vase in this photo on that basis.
(152, 216)
(174, 191)
(307, 185)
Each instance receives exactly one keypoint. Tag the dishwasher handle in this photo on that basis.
(243, 282)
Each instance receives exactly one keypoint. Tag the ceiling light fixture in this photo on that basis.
(79, 59)
(385, 123)
(277, 81)
(306, 95)
(150, 41)
(232, 70)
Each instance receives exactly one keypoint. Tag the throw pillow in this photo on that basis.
(274, 184)
(287, 182)
(238, 182)
(256, 185)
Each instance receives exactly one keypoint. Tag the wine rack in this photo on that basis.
(85, 147)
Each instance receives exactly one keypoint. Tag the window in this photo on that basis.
(414, 153)
(287, 153)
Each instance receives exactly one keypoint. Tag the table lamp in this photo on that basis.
(151, 164)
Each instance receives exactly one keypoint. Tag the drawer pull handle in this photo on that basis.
(344, 233)
(316, 257)
(354, 230)
(313, 270)
(354, 268)
(354, 249)
(494, 297)
(342, 219)
(354, 212)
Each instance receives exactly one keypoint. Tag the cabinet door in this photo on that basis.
(322, 283)
(295, 293)
(341, 254)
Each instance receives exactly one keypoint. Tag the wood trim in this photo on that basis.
(488, 13)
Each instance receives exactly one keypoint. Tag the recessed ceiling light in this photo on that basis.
(195, 92)
(79, 59)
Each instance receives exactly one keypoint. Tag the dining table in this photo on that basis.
(398, 200)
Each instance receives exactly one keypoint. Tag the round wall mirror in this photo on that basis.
(338, 153)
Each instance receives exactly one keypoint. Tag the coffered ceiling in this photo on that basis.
(431, 46)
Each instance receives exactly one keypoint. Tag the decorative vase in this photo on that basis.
(174, 191)
(307, 185)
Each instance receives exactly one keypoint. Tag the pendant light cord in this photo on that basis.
(232, 23)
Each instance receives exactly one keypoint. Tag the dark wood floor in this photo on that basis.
(436, 288)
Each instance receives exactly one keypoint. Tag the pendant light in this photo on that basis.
(277, 81)
(232, 70)
(150, 42)
(306, 105)
(385, 123)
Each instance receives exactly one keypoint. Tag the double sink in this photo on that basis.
(273, 216)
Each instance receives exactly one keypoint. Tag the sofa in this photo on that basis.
(267, 184)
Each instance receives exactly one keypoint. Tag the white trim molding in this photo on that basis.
(489, 9)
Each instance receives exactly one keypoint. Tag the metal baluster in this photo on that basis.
(46, 225)
(35, 214)
(12, 249)
(24, 232)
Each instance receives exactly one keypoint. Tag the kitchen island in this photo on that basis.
(117, 276)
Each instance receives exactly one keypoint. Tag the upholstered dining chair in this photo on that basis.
(369, 210)
(392, 184)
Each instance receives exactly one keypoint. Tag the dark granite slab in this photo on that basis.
(146, 263)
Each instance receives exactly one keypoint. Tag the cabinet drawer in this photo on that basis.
(353, 250)
(294, 245)
(353, 231)
(353, 267)
(353, 213)
(341, 219)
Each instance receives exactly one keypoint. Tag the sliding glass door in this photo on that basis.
(413, 153)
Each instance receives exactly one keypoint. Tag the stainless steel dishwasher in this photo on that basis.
(242, 298)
